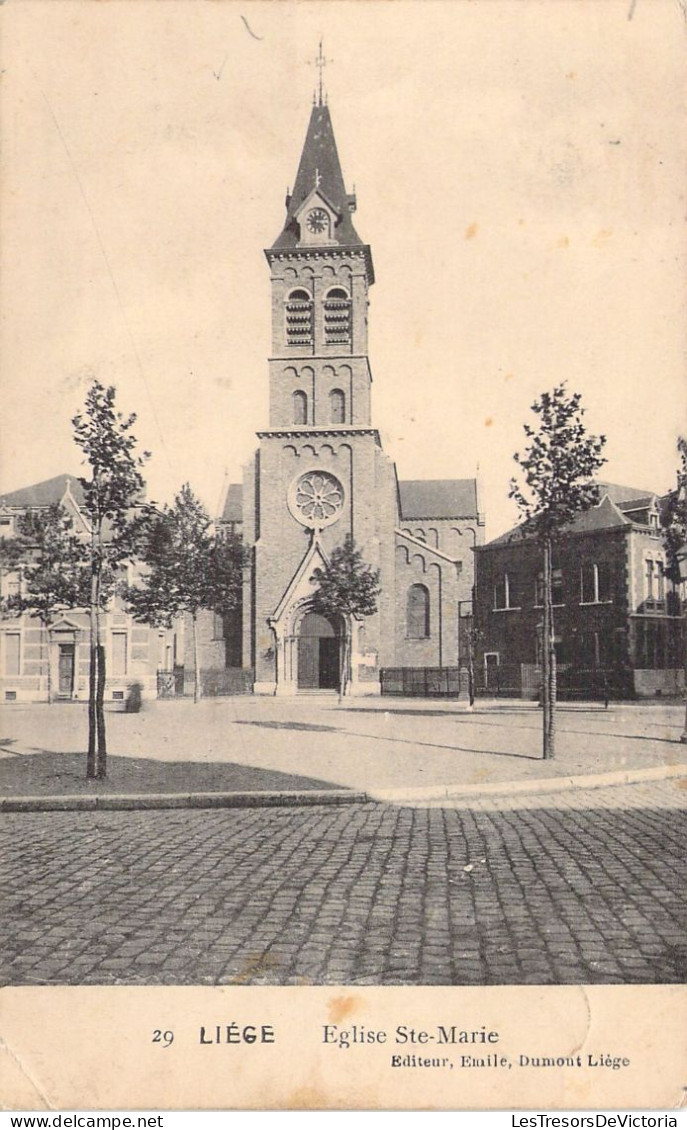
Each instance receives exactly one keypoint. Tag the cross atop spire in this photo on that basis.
(319, 98)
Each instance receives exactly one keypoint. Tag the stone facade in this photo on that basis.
(320, 473)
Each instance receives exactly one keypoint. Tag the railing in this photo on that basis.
(170, 684)
(499, 681)
(421, 682)
(598, 684)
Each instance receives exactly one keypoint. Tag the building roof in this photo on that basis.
(438, 498)
(622, 495)
(232, 510)
(44, 493)
(320, 167)
(632, 505)
(605, 515)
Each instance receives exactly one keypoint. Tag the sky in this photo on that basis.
(520, 174)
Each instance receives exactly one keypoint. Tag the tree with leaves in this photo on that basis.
(113, 503)
(674, 526)
(347, 590)
(558, 469)
(190, 568)
(51, 560)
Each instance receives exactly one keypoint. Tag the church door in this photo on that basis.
(329, 663)
(318, 654)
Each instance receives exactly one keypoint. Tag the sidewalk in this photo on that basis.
(309, 750)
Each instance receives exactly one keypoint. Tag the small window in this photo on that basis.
(655, 581)
(507, 592)
(12, 653)
(539, 590)
(337, 406)
(337, 317)
(11, 584)
(650, 580)
(556, 588)
(661, 581)
(119, 653)
(418, 612)
(299, 320)
(594, 583)
(300, 407)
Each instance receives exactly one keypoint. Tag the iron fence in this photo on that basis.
(170, 684)
(421, 682)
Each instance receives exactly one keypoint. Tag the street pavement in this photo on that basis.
(578, 887)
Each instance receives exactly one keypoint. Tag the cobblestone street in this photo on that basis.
(542, 891)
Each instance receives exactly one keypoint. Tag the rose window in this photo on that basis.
(316, 499)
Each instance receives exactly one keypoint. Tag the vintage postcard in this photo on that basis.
(337, 769)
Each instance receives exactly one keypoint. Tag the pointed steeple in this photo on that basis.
(320, 169)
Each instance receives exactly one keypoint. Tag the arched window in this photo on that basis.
(337, 317)
(299, 323)
(337, 406)
(300, 407)
(417, 617)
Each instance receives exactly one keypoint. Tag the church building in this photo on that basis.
(320, 474)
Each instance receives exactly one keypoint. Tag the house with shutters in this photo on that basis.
(36, 660)
(617, 617)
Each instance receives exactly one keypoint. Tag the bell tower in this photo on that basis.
(319, 475)
(320, 273)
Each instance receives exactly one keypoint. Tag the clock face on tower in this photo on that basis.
(317, 221)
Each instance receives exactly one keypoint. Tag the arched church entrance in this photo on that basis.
(318, 653)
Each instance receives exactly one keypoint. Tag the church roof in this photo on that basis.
(319, 167)
(438, 498)
(44, 493)
(233, 504)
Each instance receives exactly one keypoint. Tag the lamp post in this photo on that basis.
(471, 649)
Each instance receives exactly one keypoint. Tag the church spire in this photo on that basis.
(319, 170)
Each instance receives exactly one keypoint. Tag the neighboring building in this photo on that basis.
(135, 653)
(616, 616)
(320, 472)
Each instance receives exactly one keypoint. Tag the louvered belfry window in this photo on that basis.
(299, 322)
(337, 317)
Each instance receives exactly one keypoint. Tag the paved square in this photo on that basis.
(577, 888)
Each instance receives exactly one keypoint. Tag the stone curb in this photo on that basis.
(305, 798)
(142, 801)
(529, 787)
